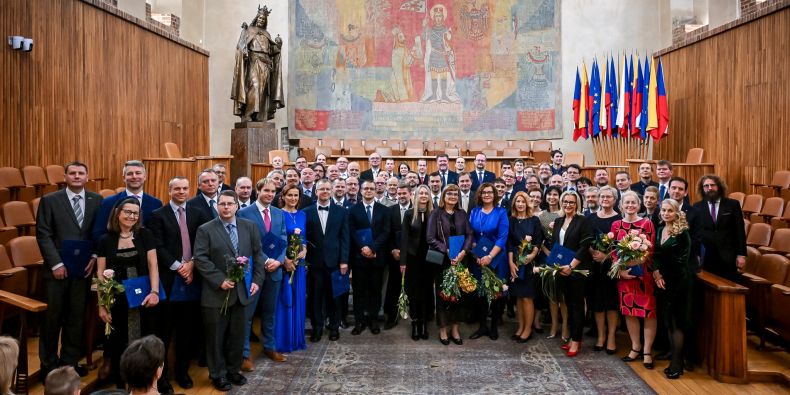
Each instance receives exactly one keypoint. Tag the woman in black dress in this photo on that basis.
(523, 226)
(673, 280)
(603, 301)
(445, 221)
(130, 251)
(419, 273)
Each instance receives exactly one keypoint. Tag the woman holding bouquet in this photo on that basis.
(446, 221)
(129, 251)
(524, 238)
(673, 280)
(571, 233)
(636, 291)
(290, 311)
(490, 225)
(419, 273)
(551, 201)
(603, 299)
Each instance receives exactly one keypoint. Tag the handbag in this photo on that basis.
(433, 256)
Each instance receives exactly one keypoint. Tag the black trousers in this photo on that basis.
(367, 291)
(393, 290)
(224, 339)
(66, 302)
(178, 322)
(574, 299)
(324, 304)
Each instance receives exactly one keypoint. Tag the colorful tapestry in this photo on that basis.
(425, 68)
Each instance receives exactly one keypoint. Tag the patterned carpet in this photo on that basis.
(394, 364)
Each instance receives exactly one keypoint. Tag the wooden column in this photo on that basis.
(161, 170)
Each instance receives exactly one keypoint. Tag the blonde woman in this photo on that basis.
(9, 356)
(419, 273)
(673, 280)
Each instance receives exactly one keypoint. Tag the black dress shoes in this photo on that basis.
(164, 387)
(415, 330)
(446, 342)
(184, 381)
(424, 331)
(221, 384)
(483, 331)
(334, 335)
(316, 335)
(81, 370)
(493, 333)
(358, 328)
(236, 378)
(374, 328)
(457, 340)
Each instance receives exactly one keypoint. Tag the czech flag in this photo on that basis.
(661, 105)
(636, 99)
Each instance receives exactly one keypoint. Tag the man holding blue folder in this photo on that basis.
(63, 228)
(271, 227)
(369, 226)
(217, 244)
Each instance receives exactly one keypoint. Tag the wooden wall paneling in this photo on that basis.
(729, 95)
(96, 88)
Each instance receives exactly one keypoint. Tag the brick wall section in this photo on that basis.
(750, 10)
(687, 32)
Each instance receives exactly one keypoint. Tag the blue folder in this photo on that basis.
(340, 283)
(183, 292)
(138, 288)
(365, 237)
(273, 246)
(483, 247)
(455, 245)
(560, 256)
(248, 275)
(75, 255)
(636, 270)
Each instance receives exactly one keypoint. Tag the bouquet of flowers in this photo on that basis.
(631, 250)
(456, 279)
(548, 279)
(403, 299)
(492, 286)
(107, 288)
(524, 249)
(604, 242)
(293, 249)
(237, 267)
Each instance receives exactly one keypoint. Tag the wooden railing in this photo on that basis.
(25, 305)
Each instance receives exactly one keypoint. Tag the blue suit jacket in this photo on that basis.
(326, 250)
(487, 177)
(252, 214)
(150, 204)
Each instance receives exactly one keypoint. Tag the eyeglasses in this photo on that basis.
(130, 213)
(451, 193)
(487, 193)
(568, 203)
(226, 204)
(368, 189)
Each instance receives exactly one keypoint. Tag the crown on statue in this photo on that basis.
(265, 11)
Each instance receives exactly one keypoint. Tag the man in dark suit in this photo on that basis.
(645, 179)
(268, 219)
(134, 176)
(371, 257)
(501, 189)
(467, 197)
(722, 232)
(422, 171)
(443, 165)
(339, 194)
(480, 174)
(174, 227)
(221, 171)
(217, 242)
(327, 237)
(392, 293)
(67, 214)
(374, 162)
(307, 183)
(206, 199)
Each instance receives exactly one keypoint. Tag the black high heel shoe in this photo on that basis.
(628, 357)
(648, 365)
(446, 342)
(524, 340)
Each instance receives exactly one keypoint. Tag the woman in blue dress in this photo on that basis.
(290, 309)
(490, 226)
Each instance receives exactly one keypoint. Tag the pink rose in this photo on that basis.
(633, 232)
(297, 231)
(643, 248)
(610, 235)
(528, 238)
(551, 225)
(634, 245)
(108, 274)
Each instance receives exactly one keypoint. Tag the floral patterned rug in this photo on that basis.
(392, 363)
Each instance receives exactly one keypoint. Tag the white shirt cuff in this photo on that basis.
(58, 266)
(176, 265)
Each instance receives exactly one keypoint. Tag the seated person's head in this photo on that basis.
(9, 356)
(142, 363)
(62, 381)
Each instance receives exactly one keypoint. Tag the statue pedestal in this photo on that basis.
(250, 142)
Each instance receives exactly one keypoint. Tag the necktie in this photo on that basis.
(138, 197)
(435, 202)
(402, 212)
(234, 237)
(78, 209)
(211, 204)
(186, 247)
(308, 193)
(267, 220)
(243, 205)
(480, 177)
(661, 190)
(369, 209)
(444, 178)
(507, 195)
(713, 212)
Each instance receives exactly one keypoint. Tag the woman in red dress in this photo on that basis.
(637, 299)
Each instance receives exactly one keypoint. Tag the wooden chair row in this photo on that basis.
(768, 278)
(34, 181)
(779, 185)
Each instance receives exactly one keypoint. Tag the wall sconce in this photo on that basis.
(20, 43)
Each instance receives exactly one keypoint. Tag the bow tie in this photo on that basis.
(323, 208)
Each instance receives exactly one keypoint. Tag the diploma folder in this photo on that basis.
(273, 246)
(183, 292)
(138, 288)
(75, 255)
(560, 256)
(365, 237)
(455, 244)
(340, 283)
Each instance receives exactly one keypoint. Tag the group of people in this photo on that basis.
(301, 232)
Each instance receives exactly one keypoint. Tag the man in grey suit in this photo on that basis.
(67, 214)
(217, 242)
(268, 219)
